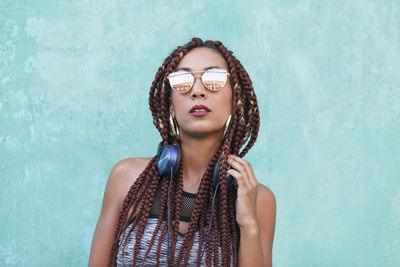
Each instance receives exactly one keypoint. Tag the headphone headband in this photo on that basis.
(170, 156)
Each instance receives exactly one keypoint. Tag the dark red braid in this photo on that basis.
(177, 209)
(164, 192)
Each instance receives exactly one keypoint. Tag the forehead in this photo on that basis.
(202, 57)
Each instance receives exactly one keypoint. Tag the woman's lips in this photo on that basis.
(199, 113)
(199, 110)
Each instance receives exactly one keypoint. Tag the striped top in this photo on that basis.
(124, 258)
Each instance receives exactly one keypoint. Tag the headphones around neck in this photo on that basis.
(170, 156)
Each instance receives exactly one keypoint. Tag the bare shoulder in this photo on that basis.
(129, 168)
(266, 205)
(124, 173)
(266, 196)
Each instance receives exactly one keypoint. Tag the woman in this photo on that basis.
(191, 214)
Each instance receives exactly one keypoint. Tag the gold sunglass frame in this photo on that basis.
(177, 73)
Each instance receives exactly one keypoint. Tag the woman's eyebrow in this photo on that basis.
(188, 69)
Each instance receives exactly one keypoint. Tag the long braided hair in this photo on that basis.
(224, 229)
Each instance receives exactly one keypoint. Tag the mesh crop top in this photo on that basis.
(187, 206)
(124, 258)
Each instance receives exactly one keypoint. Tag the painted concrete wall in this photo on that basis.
(74, 81)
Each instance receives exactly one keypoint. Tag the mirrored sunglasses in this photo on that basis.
(182, 81)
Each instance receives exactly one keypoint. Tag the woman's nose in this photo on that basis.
(198, 90)
(197, 94)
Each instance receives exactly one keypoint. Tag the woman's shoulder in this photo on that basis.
(266, 199)
(124, 173)
(265, 192)
(130, 166)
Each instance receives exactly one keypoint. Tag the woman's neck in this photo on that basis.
(196, 155)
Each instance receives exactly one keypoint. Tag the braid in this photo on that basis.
(234, 226)
(223, 212)
(163, 234)
(224, 229)
(216, 236)
(164, 192)
(177, 208)
(144, 216)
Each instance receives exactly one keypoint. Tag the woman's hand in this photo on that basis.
(246, 201)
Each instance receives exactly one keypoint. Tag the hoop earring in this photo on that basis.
(174, 128)
(227, 124)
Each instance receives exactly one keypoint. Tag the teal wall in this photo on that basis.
(74, 82)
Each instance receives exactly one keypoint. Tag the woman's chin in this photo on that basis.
(202, 132)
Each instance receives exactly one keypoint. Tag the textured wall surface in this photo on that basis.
(74, 81)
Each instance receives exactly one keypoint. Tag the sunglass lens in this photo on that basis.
(214, 80)
(181, 82)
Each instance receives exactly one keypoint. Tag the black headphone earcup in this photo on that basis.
(178, 160)
(172, 158)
